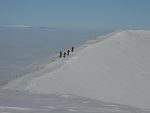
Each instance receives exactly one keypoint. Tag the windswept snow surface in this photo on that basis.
(113, 70)
(22, 102)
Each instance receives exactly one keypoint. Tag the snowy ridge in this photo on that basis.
(41, 65)
(113, 68)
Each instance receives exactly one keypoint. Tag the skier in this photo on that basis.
(68, 52)
(60, 54)
(64, 54)
(72, 49)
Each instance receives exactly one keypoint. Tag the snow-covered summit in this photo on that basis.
(115, 69)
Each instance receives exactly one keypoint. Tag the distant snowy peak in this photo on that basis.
(25, 26)
(16, 26)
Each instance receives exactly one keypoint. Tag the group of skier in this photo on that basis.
(61, 54)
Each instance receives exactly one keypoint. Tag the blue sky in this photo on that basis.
(83, 14)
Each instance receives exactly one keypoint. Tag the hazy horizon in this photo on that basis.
(77, 14)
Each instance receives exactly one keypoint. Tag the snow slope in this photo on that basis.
(114, 70)
(23, 102)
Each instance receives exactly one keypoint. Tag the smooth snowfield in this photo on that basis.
(115, 70)
(22, 102)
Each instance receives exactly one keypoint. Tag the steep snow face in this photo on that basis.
(116, 70)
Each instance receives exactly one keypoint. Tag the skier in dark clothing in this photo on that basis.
(68, 52)
(60, 54)
(72, 49)
(64, 54)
